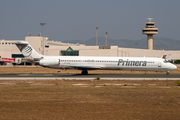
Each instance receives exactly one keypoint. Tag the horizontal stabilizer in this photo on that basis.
(21, 43)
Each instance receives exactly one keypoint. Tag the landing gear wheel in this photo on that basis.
(84, 72)
(167, 73)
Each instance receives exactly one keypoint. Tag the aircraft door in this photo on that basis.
(159, 64)
(91, 62)
(59, 62)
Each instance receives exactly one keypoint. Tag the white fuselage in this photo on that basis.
(114, 63)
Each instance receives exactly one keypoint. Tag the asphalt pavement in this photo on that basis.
(91, 76)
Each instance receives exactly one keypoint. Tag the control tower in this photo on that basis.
(150, 30)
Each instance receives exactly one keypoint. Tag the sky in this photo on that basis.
(78, 19)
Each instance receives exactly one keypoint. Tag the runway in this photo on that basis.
(89, 77)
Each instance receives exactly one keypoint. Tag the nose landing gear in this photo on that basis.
(167, 73)
(84, 72)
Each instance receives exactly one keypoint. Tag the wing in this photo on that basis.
(86, 67)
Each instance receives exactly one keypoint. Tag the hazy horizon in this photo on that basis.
(78, 19)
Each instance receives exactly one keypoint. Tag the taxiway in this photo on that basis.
(89, 77)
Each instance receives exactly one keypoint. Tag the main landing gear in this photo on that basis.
(84, 72)
(167, 73)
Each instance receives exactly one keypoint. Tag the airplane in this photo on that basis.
(86, 63)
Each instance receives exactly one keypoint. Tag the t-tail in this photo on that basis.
(27, 50)
(167, 57)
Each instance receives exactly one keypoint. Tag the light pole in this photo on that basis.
(136, 44)
(96, 36)
(106, 38)
(42, 24)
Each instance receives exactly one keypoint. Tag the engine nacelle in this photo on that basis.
(49, 62)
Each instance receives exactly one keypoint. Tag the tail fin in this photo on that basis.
(27, 50)
(164, 57)
(169, 57)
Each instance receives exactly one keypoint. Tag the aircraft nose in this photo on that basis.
(173, 67)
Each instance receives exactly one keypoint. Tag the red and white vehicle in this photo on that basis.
(10, 60)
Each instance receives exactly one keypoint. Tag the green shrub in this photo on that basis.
(56, 83)
(178, 82)
(98, 78)
(177, 62)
